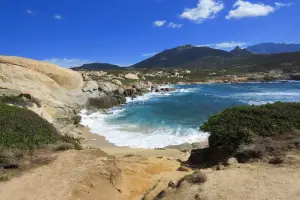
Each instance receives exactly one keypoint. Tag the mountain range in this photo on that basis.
(271, 48)
(96, 66)
(255, 57)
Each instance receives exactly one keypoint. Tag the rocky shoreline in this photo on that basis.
(104, 171)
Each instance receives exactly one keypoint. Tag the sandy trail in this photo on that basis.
(88, 175)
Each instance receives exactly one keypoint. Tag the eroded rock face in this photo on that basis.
(107, 87)
(61, 91)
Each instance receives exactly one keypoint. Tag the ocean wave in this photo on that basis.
(136, 136)
(271, 93)
(153, 95)
(256, 103)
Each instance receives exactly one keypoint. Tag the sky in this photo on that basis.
(124, 32)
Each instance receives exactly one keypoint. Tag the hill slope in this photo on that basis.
(96, 66)
(269, 48)
(207, 58)
(180, 55)
(241, 52)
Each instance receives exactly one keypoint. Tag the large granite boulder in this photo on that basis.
(118, 82)
(132, 76)
(61, 91)
(107, 87)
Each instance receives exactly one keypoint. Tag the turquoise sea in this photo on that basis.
(160, 119)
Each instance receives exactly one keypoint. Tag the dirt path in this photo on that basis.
(88, 175)
(94, 175)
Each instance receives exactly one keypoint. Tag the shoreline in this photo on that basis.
(95, 140)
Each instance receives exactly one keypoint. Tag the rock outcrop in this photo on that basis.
(61, 91)
(132, 76)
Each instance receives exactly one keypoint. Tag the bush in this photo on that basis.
(3, 178)
(23, 100)
(15, 100)
(63, 147)
(24, 129)
(241, 125)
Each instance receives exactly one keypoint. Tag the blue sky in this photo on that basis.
(72, 32)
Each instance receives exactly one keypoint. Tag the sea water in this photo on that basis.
(161, 119)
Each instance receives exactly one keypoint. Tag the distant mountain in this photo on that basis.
(96, 66)
(252, 63)
(180, 55)
(207, 58)
(269, 48)
(238, 51)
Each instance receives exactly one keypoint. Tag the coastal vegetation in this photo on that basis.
(255, 131)
(23, 133)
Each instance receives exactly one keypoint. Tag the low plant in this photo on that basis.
(3, 178)
(241, 125)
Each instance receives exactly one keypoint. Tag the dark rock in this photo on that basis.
(199, 145)
(130, 92)
(208, 157)
(183, 169)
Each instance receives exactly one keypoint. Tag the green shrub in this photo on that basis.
(24, 129)
(240, 125)
(15, 100)
(3, 178)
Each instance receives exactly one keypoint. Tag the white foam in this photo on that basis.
(131, 135)
(256, 103)
(253, 94)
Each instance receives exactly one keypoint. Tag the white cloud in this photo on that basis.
(148, 54)
(68, 62)
(224, 45)
(174, 25)
(30, 12)
(279, 5)
(58, 17)
(206, 9)
(159, 23)
(242, 9)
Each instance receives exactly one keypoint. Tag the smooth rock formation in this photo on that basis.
(132, 76)
(60, 90)
(107, 87)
